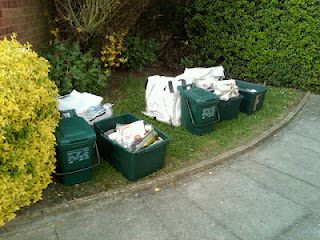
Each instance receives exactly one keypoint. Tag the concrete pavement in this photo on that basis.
(270, 192)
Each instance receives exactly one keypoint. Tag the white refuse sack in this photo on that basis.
(163, 99)
(86, 105)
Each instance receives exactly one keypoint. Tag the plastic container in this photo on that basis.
(74, 151)
(253, 96)
(133, 165)
(198, 109)
(230, 109)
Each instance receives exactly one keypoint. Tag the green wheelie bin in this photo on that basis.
(199, 109)
(74, 151)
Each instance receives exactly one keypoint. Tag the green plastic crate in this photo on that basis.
(74, 150)
(133, 165)
(198, 109)
(252, 101)
(230, 109)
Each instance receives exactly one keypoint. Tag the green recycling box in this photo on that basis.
(133, 165)
(230, 109)
(199, 109)
(74, 151)
(253, 96)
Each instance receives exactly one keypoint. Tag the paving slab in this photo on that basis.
(41, 233)
(294, 189)
(308, 229)
(128, 219)
(296, 161)
(247, 208)
(184, 219)
(309, 128)
(295, 139)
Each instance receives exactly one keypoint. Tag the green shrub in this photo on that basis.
(71, 69)
(27, 121)
(139, 52)
(275, 42)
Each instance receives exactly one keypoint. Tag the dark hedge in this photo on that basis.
(274, 42)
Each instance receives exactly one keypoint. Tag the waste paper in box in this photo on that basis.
(74, 151)
(133, 165)
(199, 109)
(253, 96)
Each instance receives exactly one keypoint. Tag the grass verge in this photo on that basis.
(127, 93)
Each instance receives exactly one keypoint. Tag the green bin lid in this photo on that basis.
(200, 96)
(73, 129)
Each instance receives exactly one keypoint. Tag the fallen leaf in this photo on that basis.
(191, 149)
(175, 184)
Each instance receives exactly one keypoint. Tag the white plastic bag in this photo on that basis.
(204, 77)
(80, 102)
(163, 99)
(86, 105)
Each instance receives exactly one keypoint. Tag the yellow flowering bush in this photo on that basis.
(28, 117)
(111, 53)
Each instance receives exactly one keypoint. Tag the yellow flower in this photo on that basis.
(54, 32)
(111, 58)
(111, 38)
(111, 51)
(78, 29)
(123, 60)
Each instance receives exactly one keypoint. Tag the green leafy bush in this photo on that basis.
(139, 52)
(275, 42)
(71, 69)
(28, 117)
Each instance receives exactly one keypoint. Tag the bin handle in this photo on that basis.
(71, 112)
(184, 87)
(200, 125)
(82, 169)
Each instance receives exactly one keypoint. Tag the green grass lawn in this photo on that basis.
(127, 93)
